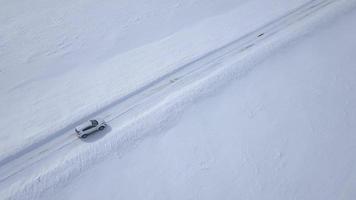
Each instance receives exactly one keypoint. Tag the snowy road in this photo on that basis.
(123, 111)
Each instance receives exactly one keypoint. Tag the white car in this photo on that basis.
(89, 127)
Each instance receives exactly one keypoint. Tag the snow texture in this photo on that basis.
(284, 131)
(59, 77)
(51, 100)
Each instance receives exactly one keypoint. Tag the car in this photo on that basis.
(90, 127)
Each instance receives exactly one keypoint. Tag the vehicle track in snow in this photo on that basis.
(16, 165)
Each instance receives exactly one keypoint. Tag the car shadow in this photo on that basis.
(96, 135)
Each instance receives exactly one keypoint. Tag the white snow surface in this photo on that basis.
(286, 130)
(64, 62)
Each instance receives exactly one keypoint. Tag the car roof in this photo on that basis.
(84, 125)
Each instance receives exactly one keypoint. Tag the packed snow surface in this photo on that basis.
(284, 131)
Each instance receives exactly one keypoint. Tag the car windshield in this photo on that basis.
(94, 122)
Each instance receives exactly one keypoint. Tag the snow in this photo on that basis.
(38, 35)
(43, 40)
(284, 131)
(44, 97)
(106, 71)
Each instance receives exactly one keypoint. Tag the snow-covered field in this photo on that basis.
(283, 130)
(57, 74)
(286, 130)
